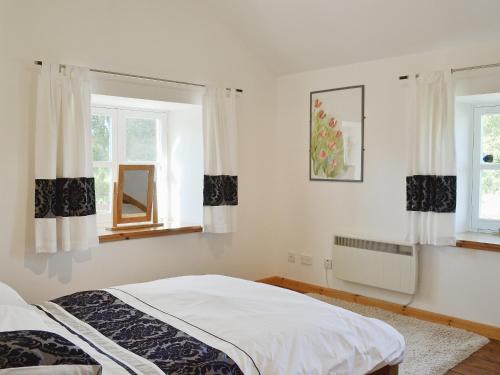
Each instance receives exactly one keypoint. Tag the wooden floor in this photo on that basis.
(486, 361)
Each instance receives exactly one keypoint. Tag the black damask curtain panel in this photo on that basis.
(64, 183)
(220, 182)
(431, 183)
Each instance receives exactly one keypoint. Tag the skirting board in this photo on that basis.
(299, 286)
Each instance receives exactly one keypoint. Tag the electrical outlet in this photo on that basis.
(306, 259)
(328, 264)
(291, 257)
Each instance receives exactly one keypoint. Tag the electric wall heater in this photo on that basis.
(386, 265)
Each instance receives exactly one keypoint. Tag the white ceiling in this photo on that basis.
(298, 35)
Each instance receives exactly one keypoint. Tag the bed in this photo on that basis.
(192, 325)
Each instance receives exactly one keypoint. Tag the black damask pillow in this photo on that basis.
(31, 348)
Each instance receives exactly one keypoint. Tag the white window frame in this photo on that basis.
(118, 143)
(477, 223)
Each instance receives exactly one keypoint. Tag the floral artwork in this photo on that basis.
(336, 144)
(327, 146)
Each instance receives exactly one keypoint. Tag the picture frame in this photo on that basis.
(336, 137)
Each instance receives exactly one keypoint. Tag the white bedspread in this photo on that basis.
(265, 329)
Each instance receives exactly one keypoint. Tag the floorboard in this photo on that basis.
(486, 361)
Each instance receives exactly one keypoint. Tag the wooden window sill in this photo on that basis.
(479, 241)
(122, 235)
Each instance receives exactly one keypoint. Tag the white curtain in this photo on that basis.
(64, 184)
(220, 188)
(431, 183)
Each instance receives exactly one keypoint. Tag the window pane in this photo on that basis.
(490, 138)
(490, 195)
(101, 137)
(141, 139)
(103, 181)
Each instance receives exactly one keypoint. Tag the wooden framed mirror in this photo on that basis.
(134, 198)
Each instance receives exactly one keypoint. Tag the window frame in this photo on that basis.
(118, 116)
(478, 223)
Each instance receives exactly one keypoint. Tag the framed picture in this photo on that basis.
(337, 134)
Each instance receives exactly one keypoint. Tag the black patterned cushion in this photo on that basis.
(29, 348)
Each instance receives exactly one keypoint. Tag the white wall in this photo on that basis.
(172, 39)
(185, 165)
(458, 282)
(463, 137)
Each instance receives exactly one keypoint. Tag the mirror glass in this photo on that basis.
(135, 193)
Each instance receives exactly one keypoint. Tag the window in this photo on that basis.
(142, 131)
(486, 169)
(123, 136)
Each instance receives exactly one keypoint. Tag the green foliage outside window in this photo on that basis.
(101, 134)
(490, 182)
(141, 139)
(102, 177)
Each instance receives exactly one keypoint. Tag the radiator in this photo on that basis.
(387, 265)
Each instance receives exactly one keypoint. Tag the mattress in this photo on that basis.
(219, 325)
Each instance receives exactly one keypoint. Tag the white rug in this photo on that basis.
(431, 349)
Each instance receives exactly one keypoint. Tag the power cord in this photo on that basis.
(413, 295)
(411, 300)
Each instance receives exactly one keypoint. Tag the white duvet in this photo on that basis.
(264, 329)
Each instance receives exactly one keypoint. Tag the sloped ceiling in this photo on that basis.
(298, 35)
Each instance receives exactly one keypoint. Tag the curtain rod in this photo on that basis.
(474, 67)
(455, 70)
(38, 62)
